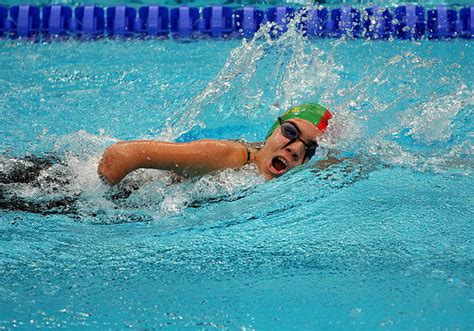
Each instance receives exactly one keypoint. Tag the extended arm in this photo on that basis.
(190, 159)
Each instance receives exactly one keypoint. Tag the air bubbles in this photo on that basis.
(356, 312)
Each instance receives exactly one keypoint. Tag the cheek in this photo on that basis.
(278, 140)
(268, 151)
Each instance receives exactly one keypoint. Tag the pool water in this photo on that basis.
(382, 240)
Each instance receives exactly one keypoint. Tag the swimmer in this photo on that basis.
(290, 142)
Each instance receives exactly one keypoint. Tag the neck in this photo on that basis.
(256, 157)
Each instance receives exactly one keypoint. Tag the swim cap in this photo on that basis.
(311, 112)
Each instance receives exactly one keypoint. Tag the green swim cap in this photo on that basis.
(311, 112)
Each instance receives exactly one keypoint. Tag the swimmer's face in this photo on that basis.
(278, 157)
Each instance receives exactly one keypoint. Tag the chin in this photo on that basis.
(268, 175)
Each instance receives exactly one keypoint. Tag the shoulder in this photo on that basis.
(250, 149)
(231, 152)
(223, 147)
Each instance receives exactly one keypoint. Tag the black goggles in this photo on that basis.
(292, 132)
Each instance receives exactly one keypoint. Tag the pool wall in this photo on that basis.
(376, 22)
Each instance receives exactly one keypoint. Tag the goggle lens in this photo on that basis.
(290, 131)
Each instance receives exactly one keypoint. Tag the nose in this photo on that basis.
(293, 154)
(296, 149)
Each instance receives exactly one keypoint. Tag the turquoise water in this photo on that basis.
(380, 241)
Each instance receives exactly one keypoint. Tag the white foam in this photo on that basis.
(431, 121)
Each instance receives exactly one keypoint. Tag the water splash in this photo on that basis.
(266, 75)
(431, 121)
(239, 69)
(261, 74)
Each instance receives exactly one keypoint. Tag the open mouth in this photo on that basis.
(279, 164)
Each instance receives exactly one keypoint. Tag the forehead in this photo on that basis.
(308, 129)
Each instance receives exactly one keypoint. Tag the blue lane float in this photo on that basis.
(466, 17)
(57, 20)
(248, 21)
(120, 21)
(378, 23)
(410, 22)
(217, 21)
(315, 22)
(184, 21)
(280, 16)
(152, 21)
(346, 22)
(90, 21)
(441, 23)
(4, 23)
(25, 21)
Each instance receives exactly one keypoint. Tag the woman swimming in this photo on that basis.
(293, 144)
(290, 142)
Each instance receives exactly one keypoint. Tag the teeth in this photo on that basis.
(283, 160)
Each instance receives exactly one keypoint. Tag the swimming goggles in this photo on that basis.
(292, 132)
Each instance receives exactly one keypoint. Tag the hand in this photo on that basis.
(112, 168)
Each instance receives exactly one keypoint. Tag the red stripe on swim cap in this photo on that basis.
(323, 124)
